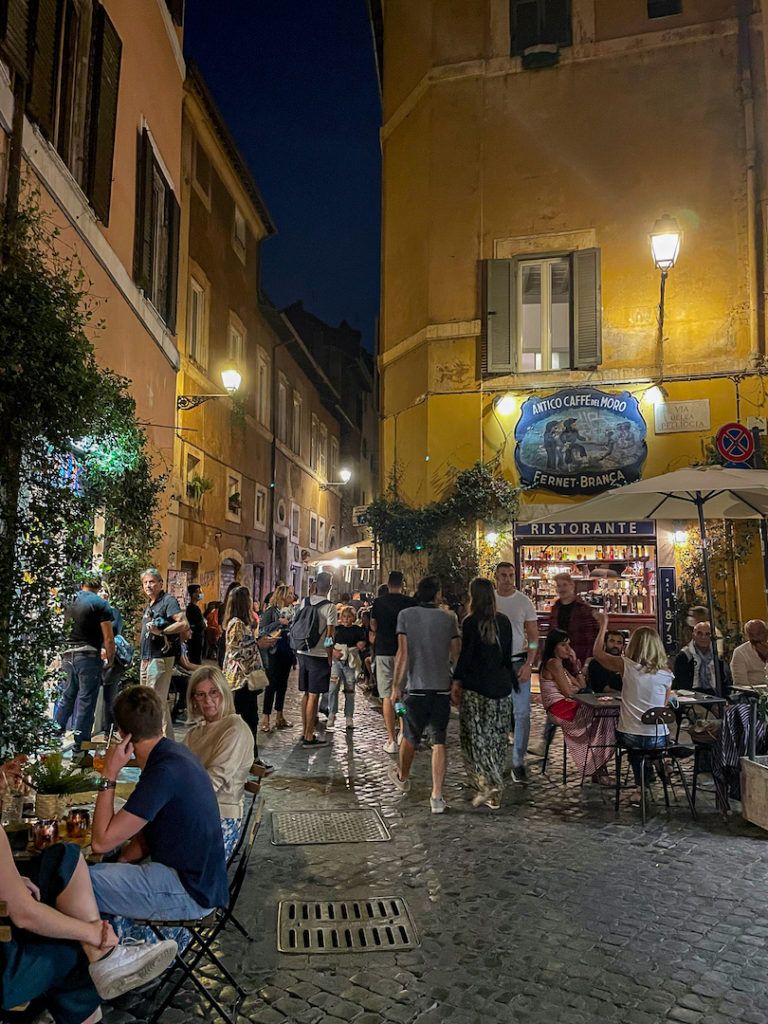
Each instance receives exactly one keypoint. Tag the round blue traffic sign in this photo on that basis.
(735, 443)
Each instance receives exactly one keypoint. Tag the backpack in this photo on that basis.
(123, 651)
(307, 627)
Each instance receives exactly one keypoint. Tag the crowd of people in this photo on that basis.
(75, 931)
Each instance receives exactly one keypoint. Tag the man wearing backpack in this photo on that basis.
(312, 640)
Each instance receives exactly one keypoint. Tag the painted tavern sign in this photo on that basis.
(580, 441)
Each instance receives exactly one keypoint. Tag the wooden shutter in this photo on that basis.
(14, 34)
(499, 317)
(142, 239)
(106, 50)
(171, 290)
(41, 97)
(557, 22)
(525, 24)
(587, 309)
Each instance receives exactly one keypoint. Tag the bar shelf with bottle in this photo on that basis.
(615, 575)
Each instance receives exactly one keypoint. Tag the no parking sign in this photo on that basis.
(735, 443)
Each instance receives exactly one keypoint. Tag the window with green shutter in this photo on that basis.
(542, 313)
(14, 34)
(156, 234)
(104, 80)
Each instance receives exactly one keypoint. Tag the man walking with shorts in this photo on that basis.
(312, 639)
(384, 613)
(428, 642)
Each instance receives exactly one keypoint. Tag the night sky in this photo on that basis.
(296, 83)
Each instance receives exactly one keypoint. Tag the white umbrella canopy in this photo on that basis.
(721, 493)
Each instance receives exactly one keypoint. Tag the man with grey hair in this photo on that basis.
(159, 639)
(312, 640)
(749, 662)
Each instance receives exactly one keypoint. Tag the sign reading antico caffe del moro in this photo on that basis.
(580, 441)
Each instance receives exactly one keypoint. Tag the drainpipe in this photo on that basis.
(747, 96)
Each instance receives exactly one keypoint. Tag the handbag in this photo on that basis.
(257, 680)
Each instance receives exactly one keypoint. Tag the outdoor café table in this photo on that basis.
(689, 698)
(602, 705)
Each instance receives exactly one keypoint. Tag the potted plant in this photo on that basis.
(234, 502)
(56, 784)
(197, 487)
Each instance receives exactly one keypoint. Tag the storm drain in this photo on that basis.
(305, 828)
(345, 926)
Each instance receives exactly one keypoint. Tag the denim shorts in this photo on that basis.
(427, 707)
(143, 892)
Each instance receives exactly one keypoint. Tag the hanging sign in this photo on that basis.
(735, 443)
(580, 441)
(610, 530)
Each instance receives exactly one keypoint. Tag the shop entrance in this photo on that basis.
(613, 565)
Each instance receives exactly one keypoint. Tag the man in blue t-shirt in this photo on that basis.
(172, 866)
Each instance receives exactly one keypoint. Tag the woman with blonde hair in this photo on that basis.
(280, 659)
(223, 742)
(647, 682)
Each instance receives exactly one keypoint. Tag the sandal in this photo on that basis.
(264, 725)
(282, 724)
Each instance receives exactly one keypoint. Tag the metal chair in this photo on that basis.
(673, 752)
(204, 933)
(550, 729)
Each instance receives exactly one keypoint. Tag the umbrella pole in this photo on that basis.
(708, 587)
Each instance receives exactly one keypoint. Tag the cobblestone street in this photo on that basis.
(552, 909)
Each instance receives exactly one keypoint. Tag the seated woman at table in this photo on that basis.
(224, 744)
(62, 955)
(646, 684)
(589, 739)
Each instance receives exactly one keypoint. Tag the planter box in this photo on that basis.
(754, 790)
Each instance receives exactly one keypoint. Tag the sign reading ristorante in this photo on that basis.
(581, 531)
(580, 441)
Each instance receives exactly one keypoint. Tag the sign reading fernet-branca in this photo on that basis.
(580, 441)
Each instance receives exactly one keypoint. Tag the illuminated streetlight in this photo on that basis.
(345, 475)
(665, 238)
(492, 538)
(230, 378)
(505, 405)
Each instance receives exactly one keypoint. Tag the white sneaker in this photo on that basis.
(127, 967)
(402, 784)
(350, 722)
(390, 747)
(437, 805)
(331, 722)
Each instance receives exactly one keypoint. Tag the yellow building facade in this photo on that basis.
(529, 148)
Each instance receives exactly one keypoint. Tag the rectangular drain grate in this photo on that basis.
(305, 828)
(379, 923)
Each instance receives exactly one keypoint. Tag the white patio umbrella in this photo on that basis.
(700, 492)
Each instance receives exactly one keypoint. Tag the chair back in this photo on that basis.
(246, 848)
(244, 823)
(657, 717)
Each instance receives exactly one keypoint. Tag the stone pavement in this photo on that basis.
(553, 909)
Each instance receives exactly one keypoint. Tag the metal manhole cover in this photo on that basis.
(345, 926)
(304, 828)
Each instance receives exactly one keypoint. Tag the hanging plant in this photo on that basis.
(197, 488)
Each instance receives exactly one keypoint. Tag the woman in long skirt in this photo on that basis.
(589, 740)
(482, 688)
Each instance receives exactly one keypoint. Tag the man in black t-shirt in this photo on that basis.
(384, 613)
(159, 647)
(602, 680)
(91, 645)
(196, 623)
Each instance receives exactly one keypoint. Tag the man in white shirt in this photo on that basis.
(521, 613)
(748, 663)
(314, 656)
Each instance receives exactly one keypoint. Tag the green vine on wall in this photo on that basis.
(73, 454)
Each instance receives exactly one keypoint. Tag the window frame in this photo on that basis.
(199, 187)
(333, 459)
(191, 452)
(239, 244)
(313, 530)
(263, 386)
(321, 534)
(283, 390)
(565, 38)
(546, 312)
(233, 477)
(314, 438)
(322, 453)
(198, 283)
(147, 261)
(260, 497)
(236, 340)
(295, 518)
(296, 422)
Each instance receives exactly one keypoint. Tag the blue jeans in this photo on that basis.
(636, 745)
(341, 674)
(83, 674)
(521, 709)
(147, 891)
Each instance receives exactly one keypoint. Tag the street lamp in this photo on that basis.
(230, 378)
(345, 475)
(665, 238)
(505, 405)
